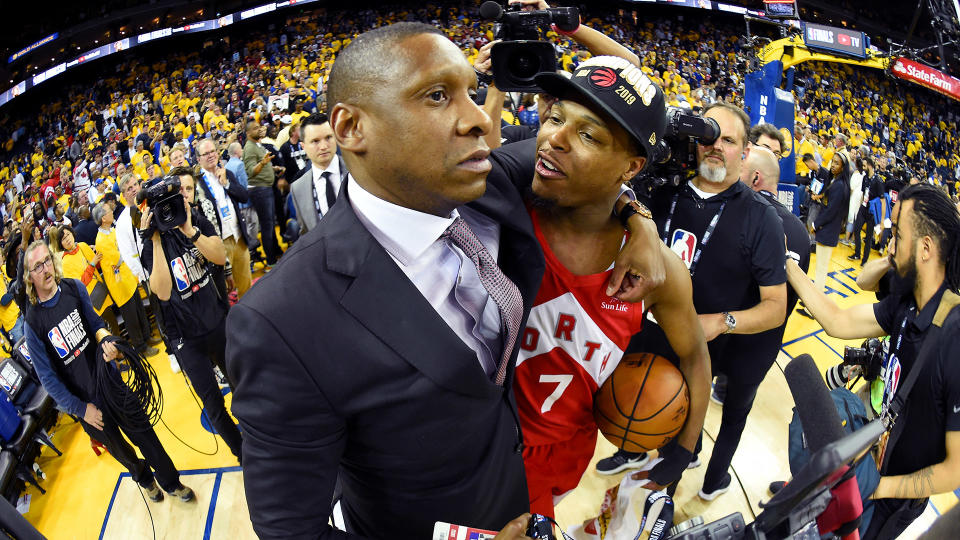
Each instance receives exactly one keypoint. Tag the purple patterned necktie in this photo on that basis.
(501, 289)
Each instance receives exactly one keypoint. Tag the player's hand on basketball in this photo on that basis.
(713, 325)
(516, 529)
(640, 266)
(94, 417)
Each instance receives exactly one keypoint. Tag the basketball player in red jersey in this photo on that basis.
(597, 137)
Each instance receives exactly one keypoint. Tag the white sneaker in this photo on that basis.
(174, 365)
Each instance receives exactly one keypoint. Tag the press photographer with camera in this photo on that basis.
(732, 243)
(920, 375)
(182, 248)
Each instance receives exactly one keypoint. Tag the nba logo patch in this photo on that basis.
(179, 271)
(58, 342)
(684, 244)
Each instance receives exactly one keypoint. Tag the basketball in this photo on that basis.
(643, 404)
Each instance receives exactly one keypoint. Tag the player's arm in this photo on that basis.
(289, 467)
(872, 272)
(674, 311)
(851, 323)
(940, 478)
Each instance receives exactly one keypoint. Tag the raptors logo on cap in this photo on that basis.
(603, 77)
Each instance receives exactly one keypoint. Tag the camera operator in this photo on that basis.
(732, 241)
(925, 458)
(178, 261)
(596, 42)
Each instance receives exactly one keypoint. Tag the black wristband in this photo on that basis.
(196, 235)
(484, 78)
(630, 209)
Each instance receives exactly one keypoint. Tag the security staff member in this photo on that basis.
(60, 311)
(194, 311)
(925, 459)
(732, 242)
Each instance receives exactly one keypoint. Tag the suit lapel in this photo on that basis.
(387, 303)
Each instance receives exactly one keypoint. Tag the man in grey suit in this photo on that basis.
(315, 191)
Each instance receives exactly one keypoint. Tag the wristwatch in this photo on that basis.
(730, 320)
(793, 255)
(631, 208)
(196, 235)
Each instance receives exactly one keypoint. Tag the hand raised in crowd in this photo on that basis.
(222, 176)
(97, 257)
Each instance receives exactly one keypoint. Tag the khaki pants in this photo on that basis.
(239, 257)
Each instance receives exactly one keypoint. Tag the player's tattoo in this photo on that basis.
(917, 485)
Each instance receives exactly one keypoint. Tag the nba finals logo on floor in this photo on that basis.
(67, 335)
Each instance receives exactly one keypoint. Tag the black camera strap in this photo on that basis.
(707, 235)
(948, 301)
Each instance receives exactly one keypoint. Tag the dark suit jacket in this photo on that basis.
(236, 193)
(301, 190)
(341, 365)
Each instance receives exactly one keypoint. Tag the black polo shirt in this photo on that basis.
(933, 406)
(745, 251)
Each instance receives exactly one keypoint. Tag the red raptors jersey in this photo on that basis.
(574, 338)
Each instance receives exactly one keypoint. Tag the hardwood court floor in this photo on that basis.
(93, 497)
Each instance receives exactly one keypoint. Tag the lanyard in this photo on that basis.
(706, 235)
(888, 392)
(664, 519)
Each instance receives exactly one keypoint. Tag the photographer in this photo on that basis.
(178, 260)
(925, 458)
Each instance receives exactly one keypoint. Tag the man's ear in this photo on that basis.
(346, 121)
(635, 166)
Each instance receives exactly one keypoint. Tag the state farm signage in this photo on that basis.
(927, 76)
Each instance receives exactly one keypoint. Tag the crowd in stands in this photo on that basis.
(57, 162)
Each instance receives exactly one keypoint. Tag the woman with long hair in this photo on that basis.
(80, 261)
(829, 224)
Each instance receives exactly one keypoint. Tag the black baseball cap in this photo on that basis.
(619, 89)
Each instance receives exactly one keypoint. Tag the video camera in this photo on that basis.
(864, 361)
(522, 54)
(675, 154)
(164, 198)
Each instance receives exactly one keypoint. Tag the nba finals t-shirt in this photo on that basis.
(194, 307)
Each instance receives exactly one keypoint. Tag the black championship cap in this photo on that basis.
(619, 89)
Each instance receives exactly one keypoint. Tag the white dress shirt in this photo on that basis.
(443, 274)
(321, 189)
(228, 216)
(130, 244)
